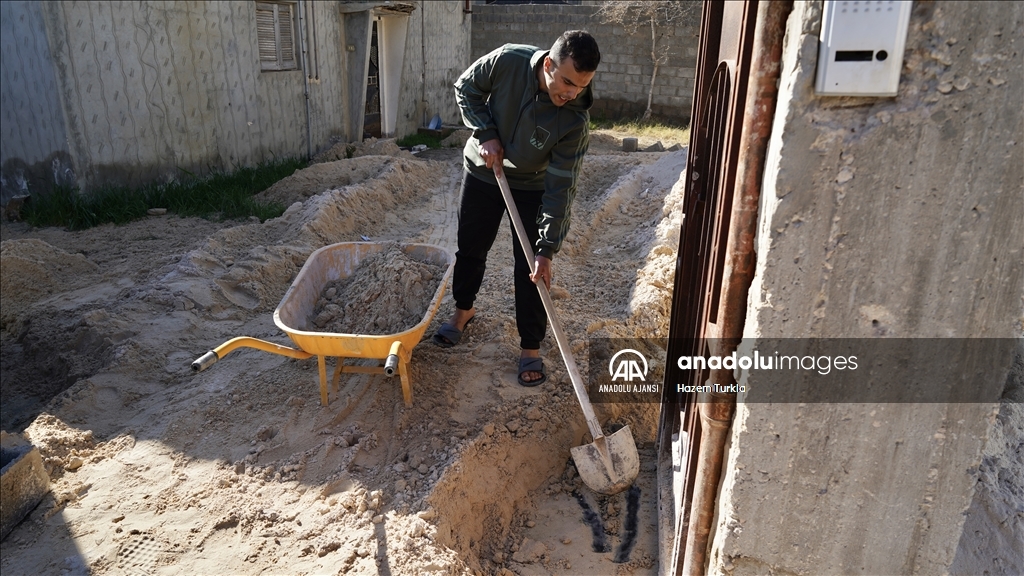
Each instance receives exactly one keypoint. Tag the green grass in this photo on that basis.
(636, 127)
(220, 196)
(411, 140)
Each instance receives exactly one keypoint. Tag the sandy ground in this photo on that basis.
(240, 470)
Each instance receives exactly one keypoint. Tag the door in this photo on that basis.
(698, 316)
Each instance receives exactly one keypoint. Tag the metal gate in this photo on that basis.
(372, 120)
(734, 101)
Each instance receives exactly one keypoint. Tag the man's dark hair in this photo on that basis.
(580, 46)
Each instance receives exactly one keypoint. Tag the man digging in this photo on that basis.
(528, 109)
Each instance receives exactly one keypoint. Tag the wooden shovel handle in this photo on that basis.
(549, 308)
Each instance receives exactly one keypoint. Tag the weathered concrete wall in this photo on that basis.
(34, 145)
(623, 79)
(356, 27)
(151, 87)
(326, 91)
(127, 92)
(994, 527)
(437, 50)
(879, 218)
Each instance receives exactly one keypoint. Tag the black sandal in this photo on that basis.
(448, 335)
(532, 365)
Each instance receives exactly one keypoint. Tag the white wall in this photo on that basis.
(130, 92)
(150, 87)
(437, 50)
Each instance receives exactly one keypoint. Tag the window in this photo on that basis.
(275, 30)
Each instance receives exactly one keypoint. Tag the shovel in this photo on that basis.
(609, 464)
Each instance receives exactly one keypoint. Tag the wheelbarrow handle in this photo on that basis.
(211, 357)
(391, 363)
(205, 361)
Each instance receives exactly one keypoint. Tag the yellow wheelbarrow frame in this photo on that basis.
(293, 314)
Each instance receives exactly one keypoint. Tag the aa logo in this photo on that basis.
(539, 138)
(627, 368)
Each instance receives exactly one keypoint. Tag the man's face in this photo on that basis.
(563, 82)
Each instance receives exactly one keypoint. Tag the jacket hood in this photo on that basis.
(583, 102)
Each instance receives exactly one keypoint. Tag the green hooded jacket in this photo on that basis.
(500, 97)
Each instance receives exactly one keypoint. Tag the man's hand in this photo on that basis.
(542, 271)
(491, 151)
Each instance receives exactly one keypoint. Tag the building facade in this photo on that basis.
(98, 93)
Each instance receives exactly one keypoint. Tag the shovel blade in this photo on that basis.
(609, 464)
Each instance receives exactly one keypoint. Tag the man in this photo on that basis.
(528, 109)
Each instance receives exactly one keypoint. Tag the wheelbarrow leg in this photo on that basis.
(336, 379)
(403, 372)
(322, 365)
(398, 361)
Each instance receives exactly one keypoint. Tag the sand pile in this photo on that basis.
(389, 292)
(457, 139)
(368, 147)
(32, 269)
(324, 175)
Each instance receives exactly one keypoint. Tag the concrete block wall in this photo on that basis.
(623, 79)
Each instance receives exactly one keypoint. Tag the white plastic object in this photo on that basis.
(860, 48)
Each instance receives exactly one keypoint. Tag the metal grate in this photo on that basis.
(718, 112)
(371, 112)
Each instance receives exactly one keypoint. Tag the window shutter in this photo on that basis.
(265, 34)
(275, 33)
(286, 29)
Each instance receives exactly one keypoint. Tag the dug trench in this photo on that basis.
(239, 469)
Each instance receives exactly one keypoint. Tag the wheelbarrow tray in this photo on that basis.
(339, 261)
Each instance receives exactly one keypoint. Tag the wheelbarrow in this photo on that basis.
(292, 315)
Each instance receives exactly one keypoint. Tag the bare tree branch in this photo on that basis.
(637, 15)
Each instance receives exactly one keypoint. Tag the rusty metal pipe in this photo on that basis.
(715, 418)
(716, 410)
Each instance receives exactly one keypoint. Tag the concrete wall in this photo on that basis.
(437, 50)
(33, 142)
(150, 87)
(112, 92)
(880, 218)
(623, 79)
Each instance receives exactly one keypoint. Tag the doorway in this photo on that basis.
(371, 118)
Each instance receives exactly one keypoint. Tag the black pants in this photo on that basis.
(479, 217)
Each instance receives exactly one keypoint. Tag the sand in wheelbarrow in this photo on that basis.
(388, 293)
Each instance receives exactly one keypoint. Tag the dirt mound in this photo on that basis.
(250, 266)
(368, 147)
(325, 175)
(240, 469)
(651, 298)
(457, 139)
(604, 142)
(31, 269)
(389, 292)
